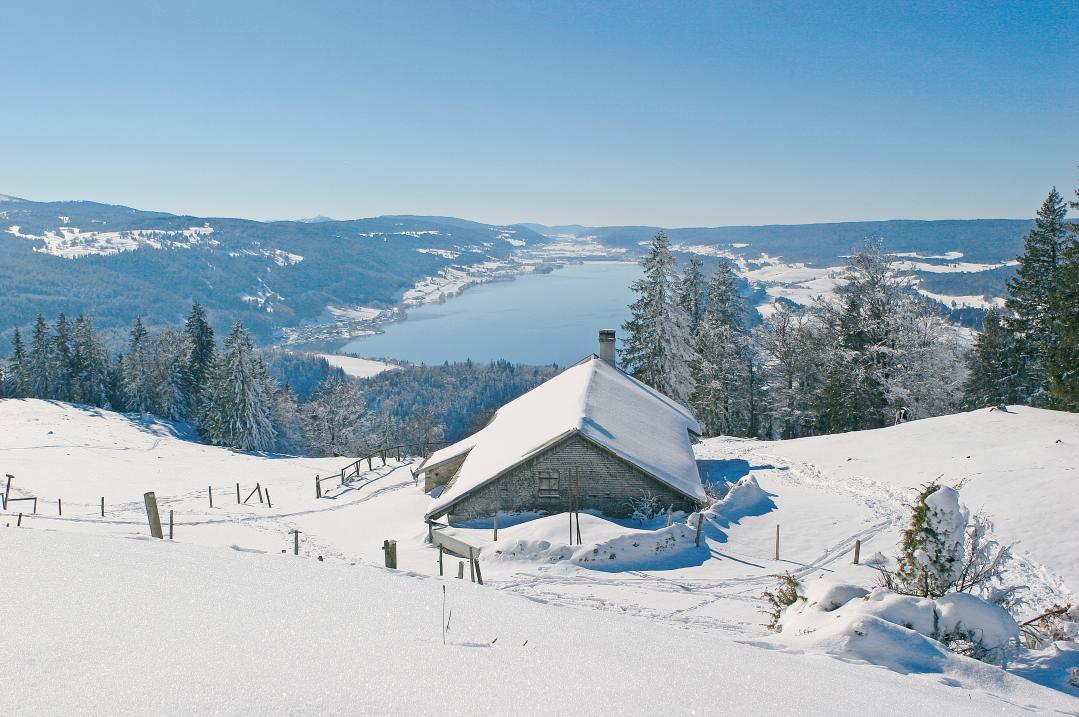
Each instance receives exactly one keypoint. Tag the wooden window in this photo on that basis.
(548, 483)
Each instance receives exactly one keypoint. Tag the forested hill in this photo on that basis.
(979, 240)
(118, 263)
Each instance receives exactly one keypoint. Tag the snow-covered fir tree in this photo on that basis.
(90, 365)
(17, 375)
(856, 392)
(691, 293)
(198, 362)
(658, 347)
(239, 409)
(40, 360)
(1035, 297)
(60, 365)
(786, 342)
(167, 360)
(932, 548)
(139, 379)
(723, 369)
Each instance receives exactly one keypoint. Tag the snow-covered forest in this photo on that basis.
(873, 354)
(243, 397)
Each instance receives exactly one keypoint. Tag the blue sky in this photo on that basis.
(663, 113)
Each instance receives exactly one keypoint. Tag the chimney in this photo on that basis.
(606, 346)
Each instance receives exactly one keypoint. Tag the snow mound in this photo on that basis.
(745, 498)
(836, 619)
(607, 546)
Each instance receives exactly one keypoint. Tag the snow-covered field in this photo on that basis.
(672, 627)
(72, 242)
(358, 367)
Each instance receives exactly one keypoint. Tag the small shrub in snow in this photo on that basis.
(1058, 623)
(785, 595)
(645, 507)
(715, 491)
(944, 551)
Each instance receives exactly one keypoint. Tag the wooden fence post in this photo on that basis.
(268, 503)
(210, 490)
(35, 505)
(258, 487)
(441, 553)
(150, 500)
(479, 576)
(700, 524)
(496, 525)
(777, 542)
(318, 487)
(170, 524)
(59, 506)
(389, 547)
(19, 524)
(368, 464)
(237, 494)
(471, 566)
(461, 570)
(857, 550)
(7, 489)
(102, 506)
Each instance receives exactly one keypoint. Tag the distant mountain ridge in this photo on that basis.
(116, 263)
(984, 240)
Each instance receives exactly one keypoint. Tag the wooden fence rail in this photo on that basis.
(355, 469)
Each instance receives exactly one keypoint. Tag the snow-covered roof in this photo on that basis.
(597, 401)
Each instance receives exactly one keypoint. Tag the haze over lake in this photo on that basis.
(535, 319)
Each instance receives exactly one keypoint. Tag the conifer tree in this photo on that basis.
(239, 407)
(336, 420)
(139, 385)
(1035, 296)
(658, 348)
(1063, 359)
(198, 364)
(40, 360)
(17, 375)
(994, 367)
(855, 394)
(691, 293)
(60, 369)
(90, 365)
(722, 371)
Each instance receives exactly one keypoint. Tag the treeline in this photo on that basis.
(1029, 352)
(239, 396)
(874, 353)
(460, 397)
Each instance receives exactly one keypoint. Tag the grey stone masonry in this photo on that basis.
(547, 482)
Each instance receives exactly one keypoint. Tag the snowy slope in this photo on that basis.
(699, 603)
(163, 627)
(1019, 467)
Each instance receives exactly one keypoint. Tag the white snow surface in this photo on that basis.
(1020, 468)
(650, 634)
(358, 367)
(72, 242)
(160, 627)
(600, 403)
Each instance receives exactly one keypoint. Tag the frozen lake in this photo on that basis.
(535, 319)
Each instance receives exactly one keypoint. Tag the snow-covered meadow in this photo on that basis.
(656, 621)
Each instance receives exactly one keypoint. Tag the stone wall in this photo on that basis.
(606, 483)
